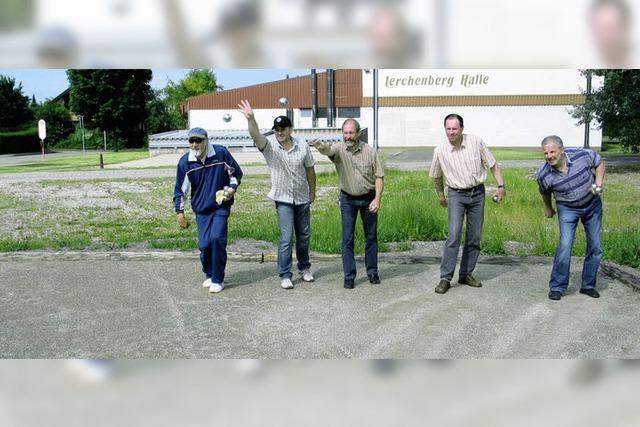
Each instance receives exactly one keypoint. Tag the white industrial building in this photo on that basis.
(507, 108)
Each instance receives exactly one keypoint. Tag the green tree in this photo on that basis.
(114, 101)
(616, 105)
(196, 82)
(161, 118)
(58, 119)
(14, 105)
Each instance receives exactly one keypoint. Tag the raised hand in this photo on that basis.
(245, 108)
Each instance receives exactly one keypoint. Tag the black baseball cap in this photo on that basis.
(281, 122)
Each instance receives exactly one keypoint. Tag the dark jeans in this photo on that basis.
(461, 203)
(568, 218)
(349, 208)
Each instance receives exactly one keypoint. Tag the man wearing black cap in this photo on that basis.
(293, 189)
(211, 175)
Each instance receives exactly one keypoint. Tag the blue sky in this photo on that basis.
(49, 83)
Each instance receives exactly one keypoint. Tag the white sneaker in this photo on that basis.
(206, 283)
(307, 276)
(216, 287)
(286, 283)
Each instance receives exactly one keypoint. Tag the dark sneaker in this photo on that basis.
(590, 292)
(469, 281)
(348, 284)
(443, 286)
(374, 280)
(555, 295)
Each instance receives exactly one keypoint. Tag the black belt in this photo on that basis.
(468, 190)
(371, 194)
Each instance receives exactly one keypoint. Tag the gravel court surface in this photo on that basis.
(155, 307)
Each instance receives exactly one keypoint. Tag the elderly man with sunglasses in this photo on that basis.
(211, 176)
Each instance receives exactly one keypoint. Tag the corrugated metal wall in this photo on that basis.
(348, 93)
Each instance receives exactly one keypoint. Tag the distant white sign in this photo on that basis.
(42, 129)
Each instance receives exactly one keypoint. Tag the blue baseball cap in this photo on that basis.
(198, 133)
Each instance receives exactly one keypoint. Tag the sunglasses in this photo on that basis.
(195, 141)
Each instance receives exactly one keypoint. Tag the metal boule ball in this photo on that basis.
(284, 101)
(226, 118)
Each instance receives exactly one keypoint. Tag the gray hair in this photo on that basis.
(351, 120)
(552, 138)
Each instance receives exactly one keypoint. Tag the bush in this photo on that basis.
(58, 119)
(24, 141)
(93, 140)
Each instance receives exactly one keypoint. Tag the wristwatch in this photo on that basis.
(501, 186)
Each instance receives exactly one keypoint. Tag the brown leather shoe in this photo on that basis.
(442, 287)
(470, 281)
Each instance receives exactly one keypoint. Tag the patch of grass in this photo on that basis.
(90, 161)
(525, 153)
(125, 213)
(7, 201)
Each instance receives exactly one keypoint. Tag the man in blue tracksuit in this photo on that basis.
(213, 176)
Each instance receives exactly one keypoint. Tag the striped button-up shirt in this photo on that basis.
(288, 171)
(573, 188)
(465, 166)
(357, 168)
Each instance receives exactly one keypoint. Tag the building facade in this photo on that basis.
(508, 108)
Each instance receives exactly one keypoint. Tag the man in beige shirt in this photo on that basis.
(361, 184)
(463, 160)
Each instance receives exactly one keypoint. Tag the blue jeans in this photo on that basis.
(293, 218)
(349, 208)
(461, 203)
(568, 217)
(212, 242)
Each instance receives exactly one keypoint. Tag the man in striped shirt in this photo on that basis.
(293, 189)
(575, 176)
(463, 160)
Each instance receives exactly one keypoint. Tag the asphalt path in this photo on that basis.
(152, 305)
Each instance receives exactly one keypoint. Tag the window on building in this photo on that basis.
(306, 112)
(343, 112)
(348, 112)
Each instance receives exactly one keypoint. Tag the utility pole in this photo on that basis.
(587, 120)
(81, 118)
(314, 98)
(375, 109)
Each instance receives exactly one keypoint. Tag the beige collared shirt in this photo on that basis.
(357, 168)
(463, 167)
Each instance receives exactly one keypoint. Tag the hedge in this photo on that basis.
(24, 141)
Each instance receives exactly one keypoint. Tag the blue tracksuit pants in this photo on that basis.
(212, 242)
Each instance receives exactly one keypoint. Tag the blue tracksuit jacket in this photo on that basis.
(203, 180)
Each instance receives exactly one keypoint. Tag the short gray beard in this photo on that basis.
(350, 143)
(201, 153)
